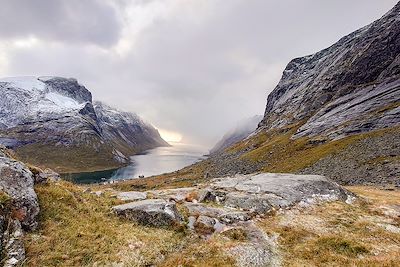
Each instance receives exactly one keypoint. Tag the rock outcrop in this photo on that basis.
(230, 207)
(351, 87)
(16, 181)
(49, 118)
(19, 207)
(236, 199)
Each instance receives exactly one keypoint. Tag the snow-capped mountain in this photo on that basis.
(27, 99)
(57, 115)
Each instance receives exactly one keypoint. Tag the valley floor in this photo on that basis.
(77, 228)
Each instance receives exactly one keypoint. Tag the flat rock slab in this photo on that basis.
(176, 194)
(132, 195)
(261, 192)
(150, 212)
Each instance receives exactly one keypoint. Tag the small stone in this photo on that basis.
(97, 193)
(87, 190)
(191, 221)
(204, 225)
(220, 227)
(233, 217)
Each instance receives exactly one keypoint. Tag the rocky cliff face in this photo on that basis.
(240, 132)
(57, 116)
(351, 87)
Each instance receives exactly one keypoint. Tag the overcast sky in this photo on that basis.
(194, 67)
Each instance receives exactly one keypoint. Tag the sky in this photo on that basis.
(192, 68)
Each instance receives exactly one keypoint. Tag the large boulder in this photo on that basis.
(150, 212)
(17, 181)
(19, 208)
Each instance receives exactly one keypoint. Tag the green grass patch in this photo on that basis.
(5, 199)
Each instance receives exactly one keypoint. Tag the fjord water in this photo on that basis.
(153, 162)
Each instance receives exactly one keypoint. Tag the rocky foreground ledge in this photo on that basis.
(229, 200)
(230, 206)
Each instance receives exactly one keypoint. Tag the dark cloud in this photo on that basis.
(197, 67)
(86, 21)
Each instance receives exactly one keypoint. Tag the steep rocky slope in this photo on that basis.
(240, 132)
(351, 87)
(52, 121)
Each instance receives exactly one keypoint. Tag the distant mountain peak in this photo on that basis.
(242, 130)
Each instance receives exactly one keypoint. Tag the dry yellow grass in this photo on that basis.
(78, 229)
(339, 234)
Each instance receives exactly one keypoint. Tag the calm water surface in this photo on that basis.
(156, 161)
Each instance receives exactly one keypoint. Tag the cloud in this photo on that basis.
(187, 66)
(88, 21)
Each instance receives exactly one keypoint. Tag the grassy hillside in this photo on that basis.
(68, 159)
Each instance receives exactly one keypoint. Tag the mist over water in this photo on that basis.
(153, 162)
